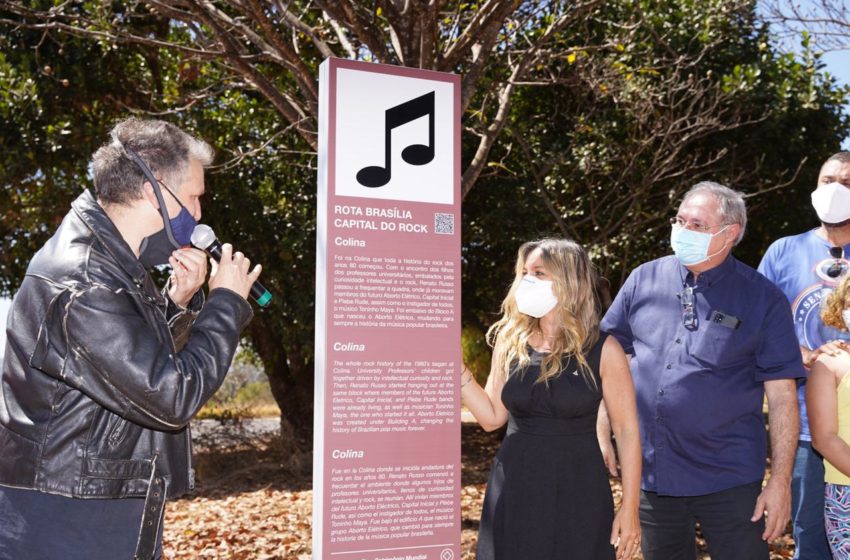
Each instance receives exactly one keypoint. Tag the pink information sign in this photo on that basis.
(386, 476)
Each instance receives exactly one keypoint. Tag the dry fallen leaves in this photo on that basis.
(252, 503)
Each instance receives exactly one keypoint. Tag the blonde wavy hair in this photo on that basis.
(573, 283)
(833, 305)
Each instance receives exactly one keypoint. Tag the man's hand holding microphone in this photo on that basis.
(189, 270)
(229, 269)
(231, 272)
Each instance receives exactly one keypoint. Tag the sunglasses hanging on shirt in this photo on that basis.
(689, 315)
(839, 267)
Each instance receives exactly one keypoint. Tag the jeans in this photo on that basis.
(807, 505)
(39, 526)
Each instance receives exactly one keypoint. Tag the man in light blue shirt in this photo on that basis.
(807, 267)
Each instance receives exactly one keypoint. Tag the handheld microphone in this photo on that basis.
(204, 239)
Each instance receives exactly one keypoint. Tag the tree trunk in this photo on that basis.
(290, 376)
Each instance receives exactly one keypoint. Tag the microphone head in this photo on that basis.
(203, 236)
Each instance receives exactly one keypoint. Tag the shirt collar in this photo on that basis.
(709, 277)
(827, 245)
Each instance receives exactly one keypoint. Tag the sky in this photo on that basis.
(838, 64)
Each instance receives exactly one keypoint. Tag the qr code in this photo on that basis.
(444, 223)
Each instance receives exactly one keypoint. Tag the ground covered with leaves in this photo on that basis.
(254, 499)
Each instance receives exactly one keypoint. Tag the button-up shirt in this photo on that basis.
(700, 388)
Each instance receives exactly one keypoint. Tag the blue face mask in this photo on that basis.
(691, 247)
(182, 227)
(156, 249)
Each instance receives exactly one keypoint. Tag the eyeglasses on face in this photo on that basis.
(677, 221)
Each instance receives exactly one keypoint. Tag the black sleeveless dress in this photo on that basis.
(548, 496)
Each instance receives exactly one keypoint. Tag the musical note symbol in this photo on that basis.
(416, 154)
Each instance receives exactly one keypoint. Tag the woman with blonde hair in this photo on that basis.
(548, 496)
(828, 404)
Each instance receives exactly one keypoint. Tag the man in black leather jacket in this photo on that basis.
(102, 372)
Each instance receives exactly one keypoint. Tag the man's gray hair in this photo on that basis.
(733, 209)
(165, 148)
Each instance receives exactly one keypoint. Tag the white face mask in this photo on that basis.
(535, 297)
(846, 316)
(832, 203)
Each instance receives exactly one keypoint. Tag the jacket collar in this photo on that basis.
(92, 214)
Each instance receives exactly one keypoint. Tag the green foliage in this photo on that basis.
(63, 94)
(476, 352)
(245, 392)
(57, 100)
(250, 401)
(638, 100)
(650, 98)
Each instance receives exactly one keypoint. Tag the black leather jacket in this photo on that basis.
(102, 373)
